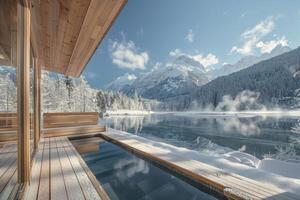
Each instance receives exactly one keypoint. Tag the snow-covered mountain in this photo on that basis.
(121, 83)
(182, 76)
(177, 78)
(247, 61)
(272, 82)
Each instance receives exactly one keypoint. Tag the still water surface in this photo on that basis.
(127, 177)
(260, 136)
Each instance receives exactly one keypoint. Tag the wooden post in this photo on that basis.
(37, 103)
(23, 93)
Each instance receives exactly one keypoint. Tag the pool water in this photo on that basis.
(125, 176)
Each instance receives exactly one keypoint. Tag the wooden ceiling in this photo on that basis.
(66, 33)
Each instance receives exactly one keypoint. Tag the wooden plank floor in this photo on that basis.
(8, 170)
(231, 185)
(59, 173)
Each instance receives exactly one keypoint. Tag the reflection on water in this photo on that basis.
(276, 137)
(245, 126)
(127, 177)
(138, 166)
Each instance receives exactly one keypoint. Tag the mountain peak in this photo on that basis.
(248, 61)
(280, 49)
(188, 61)
(121, 82)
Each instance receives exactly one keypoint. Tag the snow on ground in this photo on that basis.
(287, 169)
(266, 171)
(243, 158)
(128, 112)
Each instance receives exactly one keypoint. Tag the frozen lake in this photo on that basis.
(260, 136)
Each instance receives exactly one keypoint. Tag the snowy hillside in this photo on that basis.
(247, 61)
(180, 77)
(121, 83)
(183, 76)
(272, 82)
(65, 94)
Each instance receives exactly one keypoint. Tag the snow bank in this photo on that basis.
(243, 158)
(287, 169)
(128, 112)
(238, 163)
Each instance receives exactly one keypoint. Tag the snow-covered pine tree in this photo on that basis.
(8, 95)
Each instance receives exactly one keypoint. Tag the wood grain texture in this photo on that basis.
(73, 131)
(8, 122)
(23, 91)
(57, 173)
(37, 103)
(67, 32)
(8, 169)
(55, 120)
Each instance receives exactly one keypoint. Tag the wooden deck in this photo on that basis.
(232, 186)
(58, 172)
(8, 170)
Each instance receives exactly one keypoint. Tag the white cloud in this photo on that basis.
(126, 55)
(157, 65)
(175, 53)
(267, 47)
(190, 36)
(206, 61)
(254, 35)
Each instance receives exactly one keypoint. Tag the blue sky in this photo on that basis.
(150, 33)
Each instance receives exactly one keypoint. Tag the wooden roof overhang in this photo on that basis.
(66, 33)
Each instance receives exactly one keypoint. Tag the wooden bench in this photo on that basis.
(55, 120)
(73, 131)
(8, 136)
(8, 126)
(8, 122)
(67, 124)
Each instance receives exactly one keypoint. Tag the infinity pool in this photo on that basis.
(125, 176)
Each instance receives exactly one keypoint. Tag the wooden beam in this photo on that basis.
(23, 95)
(98, 20)
(67, 32)
(37, 102)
